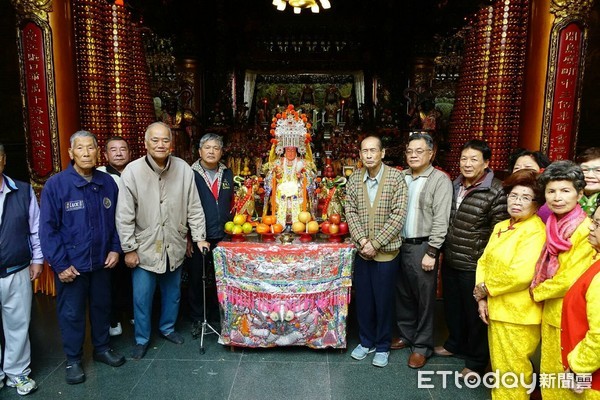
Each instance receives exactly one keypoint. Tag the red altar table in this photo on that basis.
(284, 294)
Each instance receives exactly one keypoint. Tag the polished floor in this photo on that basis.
(173, 372)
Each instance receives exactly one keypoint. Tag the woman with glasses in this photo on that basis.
(589, 161)
(504, 273)
(580, 335)
(533, 160)
(565, 256)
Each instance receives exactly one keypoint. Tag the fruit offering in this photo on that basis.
(334, 227)
(306, 226)
(268, 227)
(239, 226)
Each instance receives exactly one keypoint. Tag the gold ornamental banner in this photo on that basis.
(37, 89)
(566, 65)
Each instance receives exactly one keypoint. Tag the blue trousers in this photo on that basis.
(144, 285)
(374, 287)
(71, 302)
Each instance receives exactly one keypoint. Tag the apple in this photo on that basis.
(239, 219)
(333, 229)
(304, 216)
(247, 227)
(335, 218)
(229, 226)
(325, 227)
(343, 228)
(312, 227)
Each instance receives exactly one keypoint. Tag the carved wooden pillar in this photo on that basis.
(566, 64)
(36, 65)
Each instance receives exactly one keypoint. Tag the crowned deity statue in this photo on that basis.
(290, 172)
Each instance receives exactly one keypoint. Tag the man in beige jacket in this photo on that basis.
(157, 202)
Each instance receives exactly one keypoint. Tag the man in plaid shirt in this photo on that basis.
(376, 202)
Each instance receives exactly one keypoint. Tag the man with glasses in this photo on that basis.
(214, 182)
(376, 204)
(589, 161)
(429, 200)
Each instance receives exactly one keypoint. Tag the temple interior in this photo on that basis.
(516, 73)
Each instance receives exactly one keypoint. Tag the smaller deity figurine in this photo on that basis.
(244, 203)
(332, 193)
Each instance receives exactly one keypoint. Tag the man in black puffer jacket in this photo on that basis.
(478, 204)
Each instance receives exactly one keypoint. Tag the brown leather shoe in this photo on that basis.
(416, 360)
(442, 352)
(398, 344)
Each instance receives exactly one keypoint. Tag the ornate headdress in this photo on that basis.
(290, 129)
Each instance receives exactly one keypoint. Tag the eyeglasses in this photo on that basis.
(418, 152)
(524, 199)
(593, 170)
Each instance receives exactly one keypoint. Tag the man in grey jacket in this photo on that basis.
(157, 202)
(429, 200)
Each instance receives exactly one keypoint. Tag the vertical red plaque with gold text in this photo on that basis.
(36, 100)
(566, 84)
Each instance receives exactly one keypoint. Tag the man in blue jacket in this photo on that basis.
(215, 187)
(20, 263)
(79, 240)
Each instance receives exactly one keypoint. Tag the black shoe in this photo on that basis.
(174, 337)
(139, 351)
(74, 373)
(110, 357)
(196, 329)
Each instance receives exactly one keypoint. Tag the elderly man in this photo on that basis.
(80, 242)
(429, 200)
(157, 201)
(20, 263)
(118, 155)
(478, 203)
(376, 204)
(214, 182)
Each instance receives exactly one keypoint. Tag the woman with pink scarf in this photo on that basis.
(565, 256)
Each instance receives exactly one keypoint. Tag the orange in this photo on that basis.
(269, 219)
(277, 228)
(262, 228)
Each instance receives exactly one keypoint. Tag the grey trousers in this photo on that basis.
(415, 299)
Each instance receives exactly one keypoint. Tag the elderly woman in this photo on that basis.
(504, 273)
(580, 336)
(534, 160)
(565, 256)
(525, 159)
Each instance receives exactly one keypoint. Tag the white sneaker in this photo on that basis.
(23, 383)
(360, 352)
(116, 331)
(381, 359)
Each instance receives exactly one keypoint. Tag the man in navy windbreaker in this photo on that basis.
(80, 242)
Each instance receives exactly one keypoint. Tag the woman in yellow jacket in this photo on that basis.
(504, 273)
(566, 255)
(580, 333)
